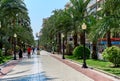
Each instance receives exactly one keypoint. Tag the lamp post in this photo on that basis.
(84, 55)
(63, 57)
(37, 35)
(53, 47)
(15, 35)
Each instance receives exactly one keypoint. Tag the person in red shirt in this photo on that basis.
(29, 51)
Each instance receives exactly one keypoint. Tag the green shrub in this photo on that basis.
(78, 52)
(112, 54)
(1, 56)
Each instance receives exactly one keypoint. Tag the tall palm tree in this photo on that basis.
(14, 15)
(110, 19)
(92, 38)
(78, 12)
(56, 24)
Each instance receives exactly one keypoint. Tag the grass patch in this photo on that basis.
(6, 59)
(99, 64)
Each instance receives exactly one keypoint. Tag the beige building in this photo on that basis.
(94, 6)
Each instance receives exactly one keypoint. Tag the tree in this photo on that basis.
(110, 20)
(53, 27)
(92, 27)
(79, 7)
(13, 15)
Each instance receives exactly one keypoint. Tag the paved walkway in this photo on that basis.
(58, 71)
(91, 73)
(49, 67)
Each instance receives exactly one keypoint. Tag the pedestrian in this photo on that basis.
(29, 51)
(38, 50)
(33, 49)
(20, 53)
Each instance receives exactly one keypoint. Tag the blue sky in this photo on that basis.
(39, 9)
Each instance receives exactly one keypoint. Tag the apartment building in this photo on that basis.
(94, 6)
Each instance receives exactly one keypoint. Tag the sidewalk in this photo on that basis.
(25, 69)
(50, 67)
(7, 67)
(56, 70)
(43, 68)
(91, 73)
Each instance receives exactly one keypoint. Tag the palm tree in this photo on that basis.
(110, 19)
(78, 13)
(92, 38)
(14, 15)
(103, 27)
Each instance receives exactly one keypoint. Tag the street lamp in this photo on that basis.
(38, 35)
(84, 55)
(53, 47)
(38, 38)
(15, 35)
(63, 57)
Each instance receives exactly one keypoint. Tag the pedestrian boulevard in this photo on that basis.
(44, 67)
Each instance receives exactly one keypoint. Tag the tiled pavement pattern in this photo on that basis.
(49, 67)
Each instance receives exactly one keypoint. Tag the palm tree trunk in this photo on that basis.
(1, 45)
(59, 42)
(66, 38)
(81, 38)
(66, 42)
(75, 40)
(94, 50)
(108, 39)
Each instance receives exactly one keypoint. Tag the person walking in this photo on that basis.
(33, 49)
(20, 53)
(29, 51)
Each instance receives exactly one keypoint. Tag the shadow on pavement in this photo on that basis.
(33, 77)
(19, 72)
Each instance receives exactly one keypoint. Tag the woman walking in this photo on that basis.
(29, 51)
(20, 53)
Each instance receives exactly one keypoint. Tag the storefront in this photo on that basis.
(103, 42)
